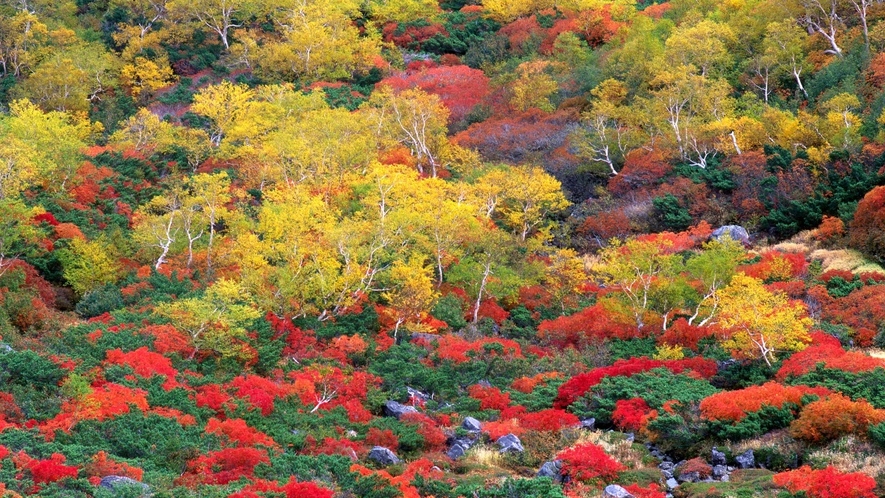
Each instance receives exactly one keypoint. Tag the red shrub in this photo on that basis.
(590, 325)
(145, 364)
(460, 88)
(50, 470)
(652, 491)
(551, 419)
(830, 356)
(236, 432)
(490, 398)
(680, 333)
(291, 489)
(698, 465)
(867, 233)
(830, 228)
(259, 392)
(827, 483)
(777, 266)
(642, 168)
(212, 396)
(606, 225)
(578, 385)
(378, 437)
(168, 339)
(223, 466)
(833, 417)
(630, 414)
(434, 437)
(102, 466)
(589, 462)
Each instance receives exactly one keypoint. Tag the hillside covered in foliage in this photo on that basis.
(442, 248)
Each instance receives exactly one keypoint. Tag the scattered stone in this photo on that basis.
(631, 437)
(719, 471)
(667, 474)
(485, 383)
(725, 478)
(457, 451)
(552, 469)
(737, 233)
(588, 423)
(615, 491)
(471, 424)
(6, 348)
(416, 394)
(717, 458)
(510, 444)
(397, 410)
(672, 484)
(746, 460)
(689, 477)
(351, 434)
(666, 465)
(120, 482)
(383, 456)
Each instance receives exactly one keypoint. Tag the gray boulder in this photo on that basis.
(471, 424)
(719, 471)
(746, 460)
(510, 444)
(672, 484)
(383, 456)
(552, 469)
(588, 423)
(737, 233)
(416, 394)
(717, 457)
(397, 410)
(615, 491)
(118, 483)
(457, 451)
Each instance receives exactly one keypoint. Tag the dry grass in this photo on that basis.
(780, 439)
(844, 259)
(484, 456)
(851, 454)
(876, 353)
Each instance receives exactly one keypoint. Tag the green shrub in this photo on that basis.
(99, 301)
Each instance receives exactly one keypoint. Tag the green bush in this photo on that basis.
(450, 309)
(99, 301)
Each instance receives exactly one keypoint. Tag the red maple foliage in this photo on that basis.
(214, 397)
(236, 432)
(460, 87)
(490, 398)
(292, 489)
(101, 466)
(223, 466)
(830, 356)
(589, 462)
(379, 437)
(49, 470)
(631, 414)
(259, 392)
(827, 483)
(578, 385)
(551, 419)
(145, 363)
(867, 233)
(590, 325)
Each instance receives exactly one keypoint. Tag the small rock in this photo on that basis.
(471, 424)
(737, 233)
(615, 491)
(383, 456)
(485, 383)
(689, 477)
(119, 482)
(6, 348)
(631, 437)
(667, 474)
(720, 470)
(672, 484)
(351, 434)
(457, 451)
(552, 469)
(588, 423)
(717, 457)
(510, 443)
(416, 394)
(397, 410)
(746, 460)
(725, 478)
(666, 465)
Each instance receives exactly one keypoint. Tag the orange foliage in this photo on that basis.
(458, 350)
(631, 414)
(236, 432)
(378, 437)
(528, 384)
(490, 398)
(103, 403)
(733, 406)
(259, 392)
(68, 231)
(551, 419)
(777, 266)
(145, 364)
(830, 228)
(833, 417)
(641, 168)
(591, 324)
(223, 466)
(102, 466)
(292, 489)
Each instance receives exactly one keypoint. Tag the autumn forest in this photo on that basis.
(442, 248)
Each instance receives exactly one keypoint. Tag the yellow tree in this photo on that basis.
(144, 76)
(89, 265)
(534, 86)
(412, 293)
(759, 323)
(220, 16)
(17, 232)
(21, 37)
(217, 321)
(415, 119)
(530, 196)
(211, 192)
